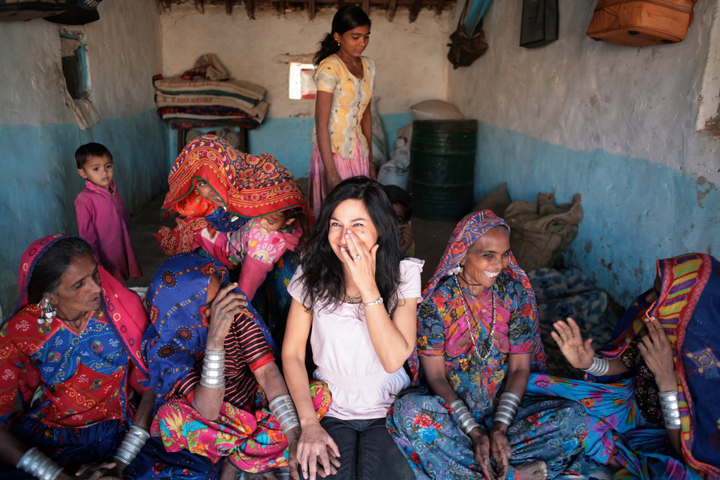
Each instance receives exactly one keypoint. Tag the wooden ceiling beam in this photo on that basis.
(250, 7)
(311, 8)
(415, 9)
(392, 6)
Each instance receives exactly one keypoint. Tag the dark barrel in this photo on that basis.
(442, 168)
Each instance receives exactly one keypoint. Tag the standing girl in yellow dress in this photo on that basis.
(343, 125)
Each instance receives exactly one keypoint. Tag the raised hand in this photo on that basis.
(578, 352)
(657, 352)
(361, 262)
(221, 313)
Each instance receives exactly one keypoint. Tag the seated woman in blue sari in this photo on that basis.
(478, 341)
(222, 404)
(661, 419)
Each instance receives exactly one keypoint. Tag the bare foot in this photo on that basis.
(228, 471)
(269, 475)
(531, 471)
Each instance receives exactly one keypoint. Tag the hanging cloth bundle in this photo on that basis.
(539, 23)
(468, 47)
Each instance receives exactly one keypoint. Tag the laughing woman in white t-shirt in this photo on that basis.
(360, 298)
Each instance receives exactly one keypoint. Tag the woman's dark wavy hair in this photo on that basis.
(345, 19)
(322, 271)
(51, 266)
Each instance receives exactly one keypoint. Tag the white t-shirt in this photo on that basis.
(345, 357)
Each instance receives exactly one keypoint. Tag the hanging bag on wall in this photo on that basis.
(464, 49)
(539, 23)
(637, 23)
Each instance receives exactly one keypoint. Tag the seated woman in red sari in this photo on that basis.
(656, 412)
(220, 394)
(478, 341)
(70, 359)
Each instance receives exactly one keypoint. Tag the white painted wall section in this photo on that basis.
(410, 57)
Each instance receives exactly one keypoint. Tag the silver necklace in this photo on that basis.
(491, 337)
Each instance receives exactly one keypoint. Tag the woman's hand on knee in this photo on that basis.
(577, 351)
(500, 447)
(481, 452)
(316, 448)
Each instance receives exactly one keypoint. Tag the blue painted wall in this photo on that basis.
(41, 181)
(635, 210)
(290, 139)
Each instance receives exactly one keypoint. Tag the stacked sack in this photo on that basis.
(205, 96)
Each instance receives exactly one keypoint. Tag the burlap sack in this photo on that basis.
(497, 202)
(541, 230)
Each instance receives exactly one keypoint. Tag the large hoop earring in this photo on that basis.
(47, 311)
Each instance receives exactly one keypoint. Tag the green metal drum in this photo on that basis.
(442, 168)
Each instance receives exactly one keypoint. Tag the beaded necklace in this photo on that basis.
(491, 337)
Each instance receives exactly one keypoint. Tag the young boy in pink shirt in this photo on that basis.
(101, 215)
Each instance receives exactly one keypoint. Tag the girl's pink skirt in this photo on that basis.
(346, 168)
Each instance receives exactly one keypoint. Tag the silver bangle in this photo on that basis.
(213, 371)
(599, 367)
(379, 301)
(283, 408)
(670, 409)
(37, 464)
(507, 408)
(466, 421)
(131, 445)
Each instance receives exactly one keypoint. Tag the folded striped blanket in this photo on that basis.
(257, 112)
(245, 91)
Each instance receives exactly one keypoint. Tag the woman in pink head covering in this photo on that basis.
(70, 358)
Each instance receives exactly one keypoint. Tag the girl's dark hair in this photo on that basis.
(298, 213)
(399, 195)
(322, 271)
(345, 19)
(50, 267)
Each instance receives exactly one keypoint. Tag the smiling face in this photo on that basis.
(79, 289)
(355, 41)
(351, 215)
(207, 192)
(99, 170)
(487, 257)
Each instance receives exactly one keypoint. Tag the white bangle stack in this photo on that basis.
(284, 410)
(131, 445)
(213, 371)
(670, 409)
(35, 463)
(465, 419)
(507, 408)
(599, 366)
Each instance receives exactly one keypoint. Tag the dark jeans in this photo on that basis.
(367, 452)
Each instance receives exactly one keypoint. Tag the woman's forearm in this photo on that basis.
(441, 387)
(392, 346)
(13, 449)
(143, 416)
(207, 401)
(323, 139)
(271, 380)
(366, 127)
(298, 384)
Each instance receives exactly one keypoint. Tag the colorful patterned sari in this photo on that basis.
(688, 308)
(426, 428)
(246, 434)
(249, 187)
(73, 389)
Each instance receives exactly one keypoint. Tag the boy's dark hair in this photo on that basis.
(90, 150)
(399, 195)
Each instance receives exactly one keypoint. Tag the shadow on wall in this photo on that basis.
(41, 181)
(635, 211)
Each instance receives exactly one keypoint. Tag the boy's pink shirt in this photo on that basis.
(103, 222)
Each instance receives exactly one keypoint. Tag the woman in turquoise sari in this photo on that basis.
(658, 415)
(478, 341)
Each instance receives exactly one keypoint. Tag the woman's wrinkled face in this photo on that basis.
(354, 42)
(79, 289)
(487, 257)
(351, 216)
(207, 192)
